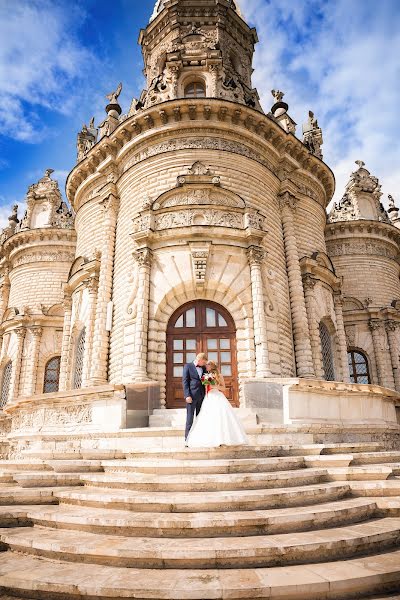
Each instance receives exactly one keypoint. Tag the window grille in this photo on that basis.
(5, 384)
(52, 375)
(327, 352)
(80, 349)
(358, 367)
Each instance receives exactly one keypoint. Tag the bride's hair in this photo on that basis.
(215, 371)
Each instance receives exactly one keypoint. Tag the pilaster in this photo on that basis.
(256, 255)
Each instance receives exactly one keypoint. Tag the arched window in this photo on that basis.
(358, 367)
(327, 352)
(195, 89)
(52, 375)
(5, 384)
(80, 349)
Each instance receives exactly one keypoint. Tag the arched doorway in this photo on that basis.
(200, 326)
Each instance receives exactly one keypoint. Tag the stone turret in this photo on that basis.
(361, 199)
(195, 51)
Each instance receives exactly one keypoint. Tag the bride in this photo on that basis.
(216, 424)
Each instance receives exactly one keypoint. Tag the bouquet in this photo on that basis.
(208, 379)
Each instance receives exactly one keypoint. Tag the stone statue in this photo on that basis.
(312, 135)
(277, 95)
(113, 97)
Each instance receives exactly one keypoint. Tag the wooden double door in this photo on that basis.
(200, 326)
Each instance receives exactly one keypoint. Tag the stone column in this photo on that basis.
(36, 333)
(309, 296)
(92, 287)
(5, 293)
(143, 257)
(377, 332)
(66, 344)
(256, 256)
(101, 337)
(341, 336)
(391, 327)
(17, 363)
(301, 334)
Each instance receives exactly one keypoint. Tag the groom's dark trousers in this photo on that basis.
(192, 387)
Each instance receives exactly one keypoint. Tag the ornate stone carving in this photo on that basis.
(199, 264)
(57, 416)
(368, 248)
(197, 196)
(142, 223)
(42, 256)
(255, 221)
(186, 218)
(312, 136)
(86, 139)
(207, 143)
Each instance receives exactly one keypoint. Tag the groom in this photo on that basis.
(193, 389)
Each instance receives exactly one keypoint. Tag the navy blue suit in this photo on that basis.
(192, 387)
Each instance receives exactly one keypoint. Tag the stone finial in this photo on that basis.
(48, 173)
(280, 112)
(360, 163)
(312, 135)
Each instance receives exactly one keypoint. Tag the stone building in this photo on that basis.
(198, 223)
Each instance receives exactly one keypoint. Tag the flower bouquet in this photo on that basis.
(208, 379)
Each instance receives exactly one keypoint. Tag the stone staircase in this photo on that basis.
(306, 521)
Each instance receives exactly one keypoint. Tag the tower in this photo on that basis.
(197, 50)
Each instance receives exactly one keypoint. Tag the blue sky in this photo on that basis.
(58, 59)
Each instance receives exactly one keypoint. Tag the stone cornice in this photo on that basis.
(47, 235)
(351, 230)
(175, 115)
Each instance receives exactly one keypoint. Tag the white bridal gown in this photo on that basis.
(216, 424)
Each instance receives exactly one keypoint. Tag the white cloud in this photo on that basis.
(41, 64)
(338, 59)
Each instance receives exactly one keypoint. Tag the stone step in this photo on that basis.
(187, 502)
(390, 487)
(367, 473)
(328, 460)
(17, 516)
(388, 506)
(206, 553)
(203, 524)
(47, 479)
(76, 466)
(23, 465)
(364, 458)
(227, 452)
(6, 478)
(205, 482)
(351, 447)
(179, 466)
(20, 575)
(85, 454)
(16, 495)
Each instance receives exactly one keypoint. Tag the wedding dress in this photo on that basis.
(216, 424)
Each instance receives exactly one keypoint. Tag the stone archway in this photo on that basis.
(200, 326)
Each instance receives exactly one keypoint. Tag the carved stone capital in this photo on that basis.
(92, 285)
(143, 256)
(375, 325)
(256, 255)
(20, 333)
(110, 205)
(309, 282)
(391, 325)
(287, 201)
(36, 332)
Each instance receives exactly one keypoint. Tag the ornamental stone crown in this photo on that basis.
(45, 208)
(361, 200)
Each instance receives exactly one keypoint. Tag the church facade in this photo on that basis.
(197, 223)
